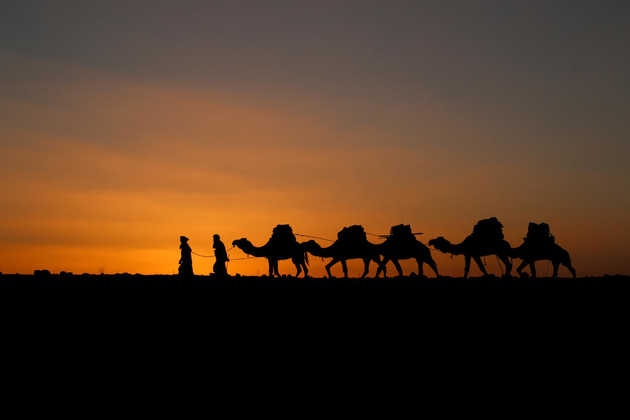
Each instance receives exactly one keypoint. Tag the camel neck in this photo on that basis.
(250, 249)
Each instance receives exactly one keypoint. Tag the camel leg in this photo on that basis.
(275, 268)
(520, 267)
(329, 265)
(420, 266)
(398, 267)
(344, 267)
(508, 265)
(299, 264)
(382, 267)
(467, 267)
(270, 267)
(433, 266)
(532, 267)
(481, 266)
(556, 265)
(305, 270)
(299, 268)
(567, 263)
(378, 271)
(366, 267)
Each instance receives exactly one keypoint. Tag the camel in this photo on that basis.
(352, 247)
(403, 247)
(531, 253)
(474, 248)
(340, 253)
(273, 253)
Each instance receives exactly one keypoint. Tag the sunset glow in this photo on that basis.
(110, 151)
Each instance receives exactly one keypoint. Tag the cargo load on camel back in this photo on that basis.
(352, 235)
(401, 231)
(283, 234)
(539, 234)
(488, 230)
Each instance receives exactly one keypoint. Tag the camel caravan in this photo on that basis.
(401, 244)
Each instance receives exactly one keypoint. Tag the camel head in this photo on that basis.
(441, 244)
(316, 249)
(309, 245)
(240, 242)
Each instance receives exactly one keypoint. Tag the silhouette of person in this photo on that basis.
(221, 257)
(185, 262)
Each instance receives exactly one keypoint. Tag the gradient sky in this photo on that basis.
(126, 124)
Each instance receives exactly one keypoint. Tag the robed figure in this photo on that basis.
(185, 262)
(221, 257)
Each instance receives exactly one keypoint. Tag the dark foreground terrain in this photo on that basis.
(44, 275)
(150, 297)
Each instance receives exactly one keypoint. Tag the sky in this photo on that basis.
(126, 124)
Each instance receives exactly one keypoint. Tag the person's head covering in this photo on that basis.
(216, 237)
(183, 239)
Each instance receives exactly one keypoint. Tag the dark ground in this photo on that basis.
(157, 301)
(43, 275)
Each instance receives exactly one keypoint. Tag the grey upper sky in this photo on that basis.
(555, 63)
(460, 46)
(559, 66)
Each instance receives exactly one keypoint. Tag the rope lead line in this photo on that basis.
(231, 259)
(314, 237)
(367, 233)
(203, 256)
(387, 236)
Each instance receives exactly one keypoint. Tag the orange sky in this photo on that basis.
(102, 173)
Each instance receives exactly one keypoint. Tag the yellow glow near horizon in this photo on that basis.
(106, 174)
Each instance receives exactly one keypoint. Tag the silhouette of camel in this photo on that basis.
(274, 252)
(367, 253)
(480, 243)
(531, 253)
(403, 247)
(475, 250)
(347, 249)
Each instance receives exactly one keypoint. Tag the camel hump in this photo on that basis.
(352, 234)
(283, 233)
(489, 229)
